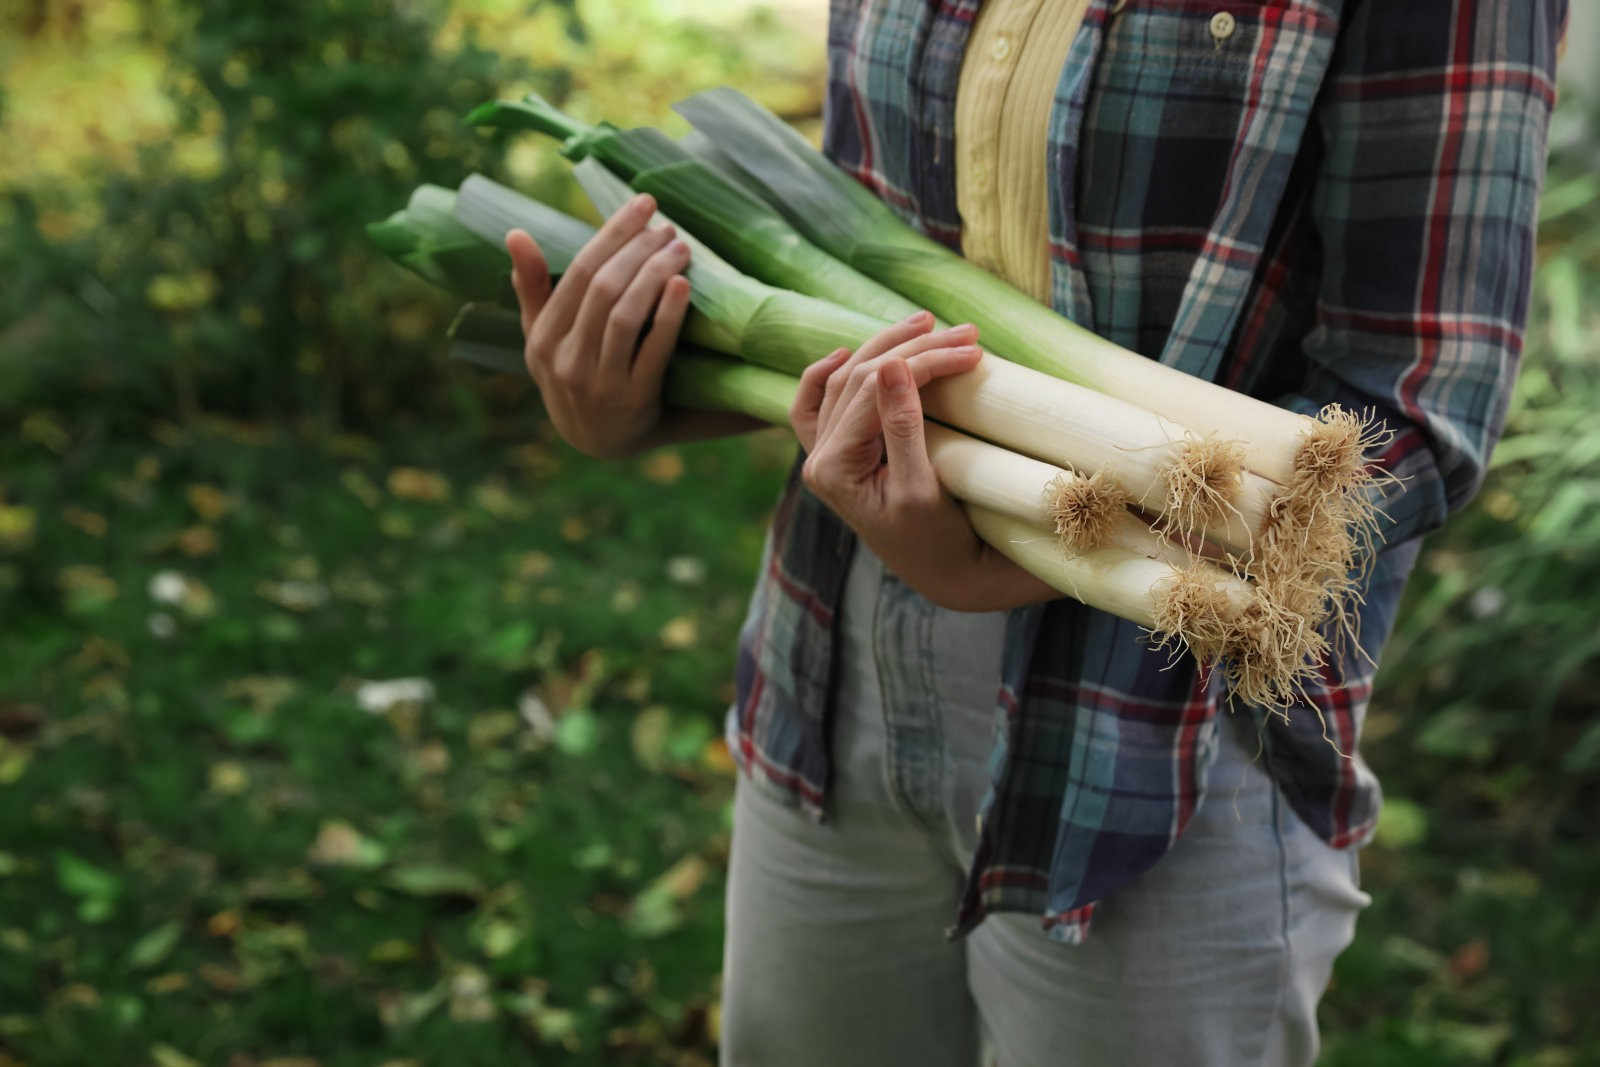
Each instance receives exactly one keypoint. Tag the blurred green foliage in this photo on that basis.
(210, 853)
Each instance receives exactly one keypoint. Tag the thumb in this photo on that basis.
(900, 414)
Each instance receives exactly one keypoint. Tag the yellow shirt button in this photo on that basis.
(1000, 50)
(1222, 26)
(982, 177)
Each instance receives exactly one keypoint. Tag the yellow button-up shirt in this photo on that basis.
(1003, 102)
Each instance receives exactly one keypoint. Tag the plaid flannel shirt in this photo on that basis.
(1312, 201)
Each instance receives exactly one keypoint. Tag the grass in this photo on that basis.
(211, 853)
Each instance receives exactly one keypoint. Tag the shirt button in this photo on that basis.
(1000, 50)
(1222, 26)
(982, 177)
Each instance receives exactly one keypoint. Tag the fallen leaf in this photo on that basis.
(663, 467)
(498, 500)
(1470, 960)
(414, 483)
(686, 570)
(197, 541)
(299, 596)
(432, 758)
(379, 697)
(393, 950)
(154, 946)
(263, 692)
(17, 527)
(626, 598)
(535, 564)
(171, 982)
(680, 633)
(223, 924)
(434, 880)
(339, 844)
(228, 778)
(648, 737)
(90, 522)
(87, 587)
(208, 502)
(361, 487)
(574, 529)
(716, 758)
(167, 1056)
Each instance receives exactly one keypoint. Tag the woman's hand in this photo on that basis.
(860, 419)
(600, 380)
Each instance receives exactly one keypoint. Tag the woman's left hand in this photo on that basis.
(869, 462)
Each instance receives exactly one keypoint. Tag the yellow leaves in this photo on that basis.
(716, 758)
(339, 844)
(87, 588)
(432, 758)
(574, 529)
(394, 950)
(414, 483)
(208, 502)
(163, 984)
(224, 923)
(43, 428)
(533, 565)
(680, 633)
(236, 72)
(263, 693)
(189, 291)
(228, 778)
(197, 541)
(14, 760)
(360, 486)
(18, 524)
(90, 522)
(497, 499)
(167, 1056)
(664, 467)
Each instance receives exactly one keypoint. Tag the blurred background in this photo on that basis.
(348, 718)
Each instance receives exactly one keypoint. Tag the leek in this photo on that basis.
(1012, 500)
(842, 216)
(724, 215)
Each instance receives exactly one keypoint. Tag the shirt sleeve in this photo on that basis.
(1433, 122)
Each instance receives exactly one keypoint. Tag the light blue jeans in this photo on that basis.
(835, 952)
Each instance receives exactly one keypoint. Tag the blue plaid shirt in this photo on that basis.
(1335, 203)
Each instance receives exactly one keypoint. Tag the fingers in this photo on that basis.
(530, 277)
(627, 316)
(611, 281)
(900, 414)
(940, 363)
(913, 331)
(807, 403)
(651, 365)
(912, 325)
(570, 292)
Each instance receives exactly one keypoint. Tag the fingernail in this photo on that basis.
(894, 378)
(678, 248)
(913, 317)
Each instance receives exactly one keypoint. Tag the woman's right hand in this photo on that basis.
(600, 380)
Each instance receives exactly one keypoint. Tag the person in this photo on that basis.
(972, 813)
